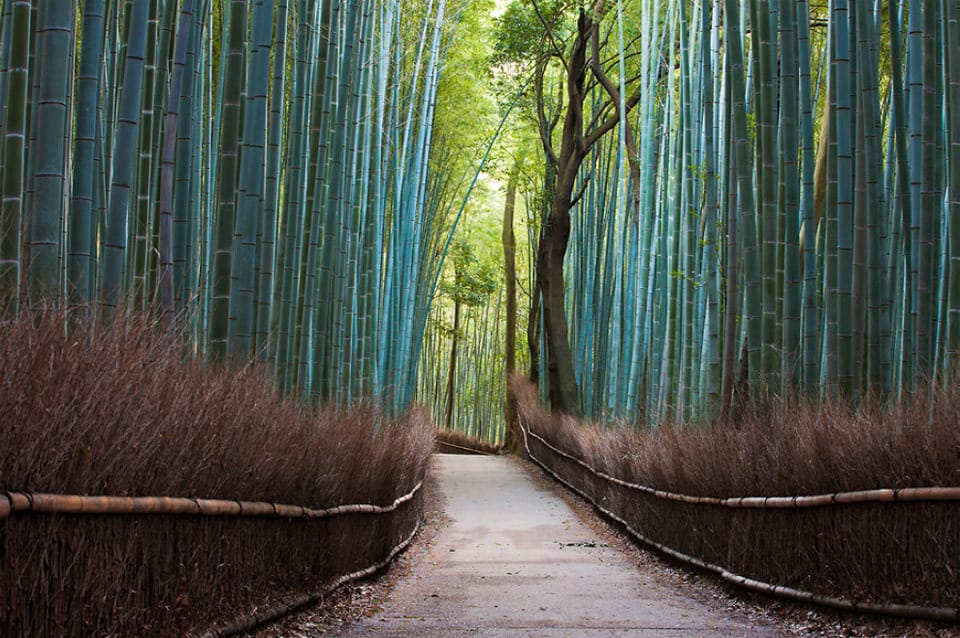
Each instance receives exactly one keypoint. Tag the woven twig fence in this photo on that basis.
(107, 565)
(886, 551)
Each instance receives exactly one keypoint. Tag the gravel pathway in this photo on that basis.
(515, 560)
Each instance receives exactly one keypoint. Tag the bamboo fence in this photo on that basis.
(14, 502)
(79, 565)
(276, 612)
(630, 515)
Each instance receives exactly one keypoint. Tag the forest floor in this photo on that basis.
(505, 552)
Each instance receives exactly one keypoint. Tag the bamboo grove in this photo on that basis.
(769, 201)
(260, 171)
(780, 214)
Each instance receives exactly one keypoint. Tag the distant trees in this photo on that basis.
(472, 285)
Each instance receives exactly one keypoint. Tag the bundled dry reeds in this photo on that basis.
(875, 552)
(124, 413)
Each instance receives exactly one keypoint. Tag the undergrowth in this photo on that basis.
(122, 412)
(125, 412)
(880, 552)
(785, 447)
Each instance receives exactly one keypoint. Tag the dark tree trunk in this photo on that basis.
(510, 276)
(561, 376)
(575, 143)
(533, 334)
(543, 213)
(452, 373)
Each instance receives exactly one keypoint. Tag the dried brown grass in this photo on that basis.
(906, 553)
(787, 447)
(123, 412)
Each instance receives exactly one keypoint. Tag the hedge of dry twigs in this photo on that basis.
(904, 553)
(123, 414)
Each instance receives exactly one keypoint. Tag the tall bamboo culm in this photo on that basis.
(200, 159)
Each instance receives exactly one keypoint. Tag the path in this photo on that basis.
(516, 561)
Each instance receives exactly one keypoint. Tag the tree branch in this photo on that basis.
(548, 29)
(583, 189)
(614, 92)
(546, 128)
(608, 125)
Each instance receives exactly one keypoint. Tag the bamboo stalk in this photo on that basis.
(44, 219)
(81, 247)
(16, 106)
(115, 235)
(229, 119)
(167, 169)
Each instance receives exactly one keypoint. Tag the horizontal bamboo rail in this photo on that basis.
(907, 494)
(273, 614)
(15, 502)
(942, 614)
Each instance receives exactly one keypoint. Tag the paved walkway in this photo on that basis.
(516, 561)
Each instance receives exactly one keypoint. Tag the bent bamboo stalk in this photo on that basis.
(13, 502)
(884, 495)
(943, 614)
